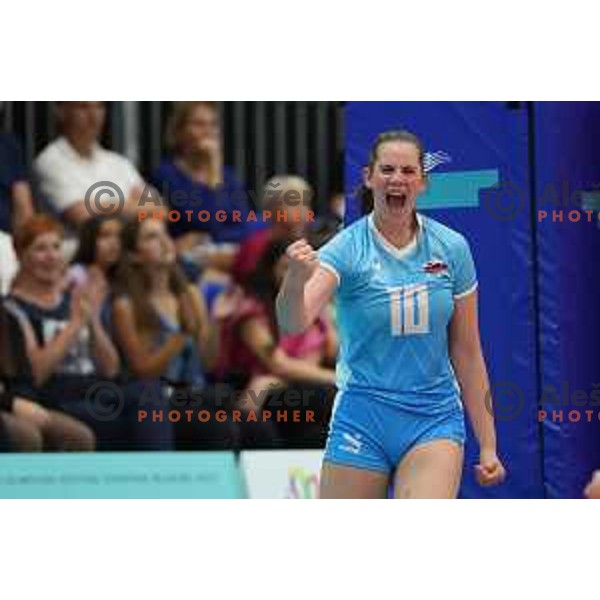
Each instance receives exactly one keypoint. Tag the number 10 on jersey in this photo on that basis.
(409, 306)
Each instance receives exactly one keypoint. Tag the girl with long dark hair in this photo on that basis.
(161, 325)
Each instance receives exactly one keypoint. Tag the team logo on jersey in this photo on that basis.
(435, 267)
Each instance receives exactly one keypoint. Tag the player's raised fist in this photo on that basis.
(304, 260)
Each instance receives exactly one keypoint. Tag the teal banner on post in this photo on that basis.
(120, 475)
(457, 190)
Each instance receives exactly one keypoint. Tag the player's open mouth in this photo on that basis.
(396, 200)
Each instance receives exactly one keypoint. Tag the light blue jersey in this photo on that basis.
(393, 310)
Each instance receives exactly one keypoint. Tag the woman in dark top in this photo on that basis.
(16, 432)
(65, 342)
(28, 426)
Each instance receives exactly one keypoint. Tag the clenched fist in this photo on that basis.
(489, 471)
(592, 489)
(303, 260)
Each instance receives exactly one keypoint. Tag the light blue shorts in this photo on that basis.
(367, 433)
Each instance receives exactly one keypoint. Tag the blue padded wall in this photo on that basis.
(567, 175)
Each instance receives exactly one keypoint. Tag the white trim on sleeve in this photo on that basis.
(467, 292)
(331, 269)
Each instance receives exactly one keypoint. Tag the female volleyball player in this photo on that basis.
(407, 312)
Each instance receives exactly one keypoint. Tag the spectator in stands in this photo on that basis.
(68, 167)
(161, 325)
(253, 348)
(16, 199)
(5, 439)
(16, 204)
(8, 264)
(97, 259)
(194, 178)
(279, 194)
(328, 224)
(99, 249)
(29, 426)
(16, 433)
(337, 207)
(65, 342)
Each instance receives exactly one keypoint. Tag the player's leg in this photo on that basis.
(431, 469)
(339, 481)
(355, 464)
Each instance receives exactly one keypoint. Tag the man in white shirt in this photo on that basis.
(71, 165)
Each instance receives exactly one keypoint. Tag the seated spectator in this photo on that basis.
(327, 225)
(5, 440)
(277, 196)
(29, 426)
(16, 434)
(65, 342)
(16, 204)
(16, 199)
(337, 207)
(99, 250)
(97, 259)
(258, 358)
(8, 264)
(161, 325)
(68, 167)
(194, 179)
